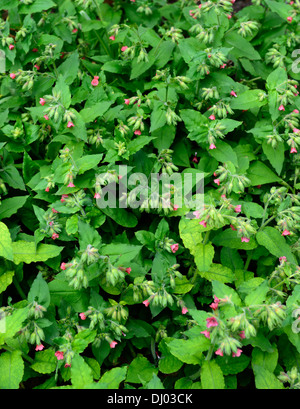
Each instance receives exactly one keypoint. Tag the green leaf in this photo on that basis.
(228, 238)
(13, 324)
(39, 291)
(241, 46)
(233, 365)
(265, 379)
(36, 7)
(248, 99)
(88, 162)
(224, 153)
(45, 361)
(81, 373)
(273, 241)
(11, 369)
(114, 377)
(260, 174)
(26, 252)
(191, 233)
(211, 376)
(219, 273)
(189, 351)
(274, 155)
(282, 9)
(140, 370)
(267, 360)
(69, 68)
(154, 383)
(258, 296)
(59, 290)
(168, 363)
(89, 114)
(10, 206)
(12, 177)
(204, 255)
(5, 280)
(6, 249)
(277, 77)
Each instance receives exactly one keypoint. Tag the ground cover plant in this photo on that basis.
(157, 295)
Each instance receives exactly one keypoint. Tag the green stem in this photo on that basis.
(206, 237)
(19, 289)
(25, 356)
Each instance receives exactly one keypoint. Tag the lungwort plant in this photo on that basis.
(148, 291)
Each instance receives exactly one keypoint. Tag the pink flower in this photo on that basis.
(175, 207)
(281, 108)
(42, 101)
(289, 19)
(212, 146)
(127, 101)
(12, 76)
(95, 81)
(37, 66)
(232, 227)
(195, 160)
(245, 239)
(54, 236)
(47, 189)
(59, 355)
(202, 223)
(67, 365)
(282, 259)
(46, 117)
(242, 334)
(296, 111)
(238, 208)
(124, 48)
(212, 117)
(285, 233)
(39, 347)
(146, 303)
(223, 66)
(293, 150)
(174, 247)
(237, 353)
(63, 266)
(223, 197)
(215, 304)
(205, 333)
(113, 344)
(71, 184)
(97, 196)
(112, 38)
(196, 213)
(219, 352)
(82, 316)
(63, 197)
(184, 310)
(128, 270)
(211, 322)
(229, 16)
(217, 181)
(11, 46)
(296, 130)
(70, 124)
(137, 132)
(34, 50)
(233, 94)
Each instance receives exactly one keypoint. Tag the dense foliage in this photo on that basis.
(156, 295)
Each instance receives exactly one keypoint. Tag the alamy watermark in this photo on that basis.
(156, 191)
(296, 63)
